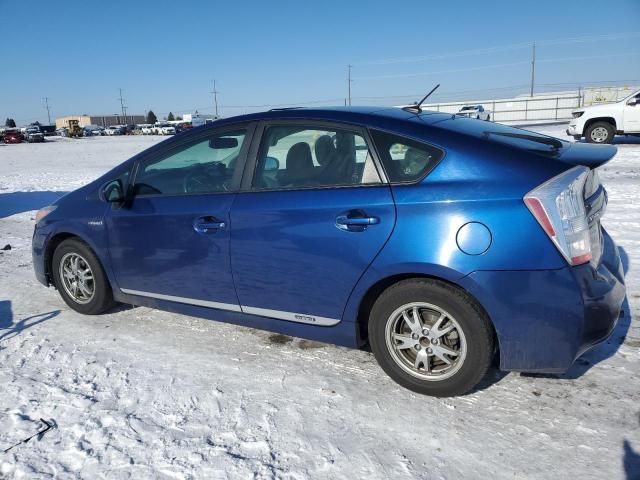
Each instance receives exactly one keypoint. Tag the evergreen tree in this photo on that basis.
(151, 117)
(179, 118)
(170, 117)
(10, 123)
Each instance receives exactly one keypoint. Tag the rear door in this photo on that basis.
(313, 214)
(172, 242)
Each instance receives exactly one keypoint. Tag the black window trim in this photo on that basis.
(195, 139)
(252, 160)
(414, 139)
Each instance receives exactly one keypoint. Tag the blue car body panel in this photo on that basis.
(288, 255)
(154, 247)
(281, 264)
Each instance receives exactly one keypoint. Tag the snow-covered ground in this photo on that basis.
(140, 393)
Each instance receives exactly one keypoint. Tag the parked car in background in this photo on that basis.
(147, 129)
(475, 111)
(416, 232)
(33, 135)
(13, 136)
(601, 123)
(94, 130)
(182, 127)
(48, 130)
(164, 129)
(113, 130)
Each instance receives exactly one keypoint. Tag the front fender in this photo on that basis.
(90, 229)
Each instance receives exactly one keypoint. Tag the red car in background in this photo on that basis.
(13, 136)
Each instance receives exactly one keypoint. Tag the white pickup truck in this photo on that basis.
(600, 123)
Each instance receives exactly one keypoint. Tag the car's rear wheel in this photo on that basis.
(80, 278)
(600, 132)
(431, 337)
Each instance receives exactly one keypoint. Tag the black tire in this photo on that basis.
(600, 126)
(488, 118)
(473, 321)
(102, 299)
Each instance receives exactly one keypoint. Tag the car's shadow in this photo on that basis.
(18, 202)
(606, 349)
(620, 140)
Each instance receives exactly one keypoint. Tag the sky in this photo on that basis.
(165, 54)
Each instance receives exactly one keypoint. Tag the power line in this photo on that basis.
(501, 48)
(46, 102)
(499, 65)
(215, 97)
(533, 67)
(124, 109)
(349, 82)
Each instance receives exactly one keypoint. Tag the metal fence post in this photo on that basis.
(526, 109)
(557, 98)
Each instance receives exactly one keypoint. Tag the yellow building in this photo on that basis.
(102, 120)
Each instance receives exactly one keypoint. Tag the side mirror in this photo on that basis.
(112, 192)
(221, 143)
(271, 164)
(632, 101)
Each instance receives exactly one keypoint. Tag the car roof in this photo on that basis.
(380, 117)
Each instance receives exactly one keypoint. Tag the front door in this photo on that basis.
(172, 241)
(632, 116)
(315, 216)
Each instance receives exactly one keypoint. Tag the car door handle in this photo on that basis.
(356, 221)
(208, 224)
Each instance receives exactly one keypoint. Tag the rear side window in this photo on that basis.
(299, 156)
(405, 160)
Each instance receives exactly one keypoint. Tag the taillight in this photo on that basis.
(558, 206)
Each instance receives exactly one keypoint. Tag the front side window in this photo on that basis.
(206, 166)
(308, 157)
(404, 159)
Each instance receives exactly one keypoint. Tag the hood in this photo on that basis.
(605, 108)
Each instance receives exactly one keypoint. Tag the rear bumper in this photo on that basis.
(545, 319)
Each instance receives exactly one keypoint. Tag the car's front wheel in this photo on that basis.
(600, 132)
(431, 337)
(80, 278)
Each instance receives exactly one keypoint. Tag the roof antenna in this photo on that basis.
(416, 107)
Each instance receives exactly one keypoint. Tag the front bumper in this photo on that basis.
(545, 319)
(573, 131)
(38, 253)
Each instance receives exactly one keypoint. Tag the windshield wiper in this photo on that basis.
(552, 142)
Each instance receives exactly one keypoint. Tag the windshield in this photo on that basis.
(634, 94)
(467, 108)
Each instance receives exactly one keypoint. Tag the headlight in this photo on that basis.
(43, 212)
(576, 114)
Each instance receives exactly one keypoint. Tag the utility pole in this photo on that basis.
(215, 97)
(349, 82)
(46, 103)
(533, 67)
(124, 109)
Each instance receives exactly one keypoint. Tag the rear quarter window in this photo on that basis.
(405, 160)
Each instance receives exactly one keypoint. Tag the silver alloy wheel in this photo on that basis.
(77, 278)
(425, 341)
(599, 134)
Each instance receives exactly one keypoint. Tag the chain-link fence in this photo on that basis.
(540, 108)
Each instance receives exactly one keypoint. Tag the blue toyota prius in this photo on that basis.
(439, 240)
